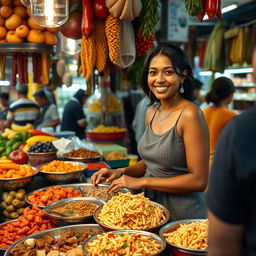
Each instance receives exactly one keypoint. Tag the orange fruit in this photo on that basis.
(22, 31)
(29, 12)
(3, 32)
(35, 36)
(20, 10)
(34, 25)
(2, 21)
(17, 2)
(49, 38)
(6, 2)
(13, 22)
(6, 11)
(52, 30)
(11, 37)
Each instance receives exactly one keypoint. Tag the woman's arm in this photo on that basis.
(193, 129)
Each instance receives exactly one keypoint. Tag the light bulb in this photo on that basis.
(70, 46)
(49, 13)
(26, 3)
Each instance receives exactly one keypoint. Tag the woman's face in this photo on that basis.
(162, 80)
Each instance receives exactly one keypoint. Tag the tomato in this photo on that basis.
(22, 146)
(100, 9)
(18, 156)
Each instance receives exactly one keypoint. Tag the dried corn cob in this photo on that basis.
(88, 56)
(101, 44)
(112, 30)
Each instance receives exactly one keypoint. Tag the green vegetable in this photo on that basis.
(16, 145)
(8, 150)
(193, 7)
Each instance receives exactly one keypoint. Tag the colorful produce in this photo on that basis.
(52, 194)
(211, 7)
(46, 63)
(102, 128)
(112, 30)
(35, 132)
(32, 221)
(143, 45)
(202, 11)
(9, 169)
(18, 156)
(96, 166)
(19, 128)
(83, 153)
(40, 138)
(13, 204)
(193, 7)
(100, 9)
(87, 19)
(60, 166)
(42, 147)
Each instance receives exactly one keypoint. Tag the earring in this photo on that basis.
(182, 89)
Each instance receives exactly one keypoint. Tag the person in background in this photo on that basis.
(48, 116)
(22, 111)
(49, 91)
(4, 107)
(218, 115)
(175, 145)
(232, 189)
(74, 118)
(196, 93)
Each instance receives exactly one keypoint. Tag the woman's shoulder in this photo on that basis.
(151, 111)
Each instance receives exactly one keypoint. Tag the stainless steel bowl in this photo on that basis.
(177, 250)
(60, 220)
(83, 160)
(16, 183)
(56, 232)
(77, 186)
(144, 233)
(65, 177)
(2, 251)
(154, 229)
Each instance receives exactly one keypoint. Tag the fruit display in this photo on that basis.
(13, 204)
(109, 129)
(42, 147)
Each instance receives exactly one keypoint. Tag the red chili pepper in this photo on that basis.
(211, 8)
(219, 13)
(35, 132)
(87, 20)
(202, 11)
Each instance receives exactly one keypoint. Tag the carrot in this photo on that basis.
(23, 230)
(32, 230)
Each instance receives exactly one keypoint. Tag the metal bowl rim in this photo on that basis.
(61, 173)
(166, 212)
(129, 231)
(74, 185)
(20, 178)
(42, 153)
(71, 200)
(41, 233)
(164, 228)
(82, 159)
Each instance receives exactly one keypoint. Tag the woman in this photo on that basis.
(218, 115)
(174, 147)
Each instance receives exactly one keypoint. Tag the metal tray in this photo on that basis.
(56, 232)
(75, 186)
(145, 233)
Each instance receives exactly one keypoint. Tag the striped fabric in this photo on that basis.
(23, 111)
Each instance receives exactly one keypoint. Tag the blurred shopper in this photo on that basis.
(175, 145)
(4, 105)
(48, 116)
(74, 118)
(232, 188)
(23, 110)
(196, 92)
(218, 115)
(49, 91)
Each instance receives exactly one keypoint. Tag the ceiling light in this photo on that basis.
(224, 10)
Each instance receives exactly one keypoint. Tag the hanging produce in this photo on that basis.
(149, 17)
(143, 45)
(37, 67)
(202, 11)
(20, 67)
(67, 79)
(219, 13)
(100, 9)
(2, 66)
(60, 68)
(87, 19)
(192, 7)
(211, 7)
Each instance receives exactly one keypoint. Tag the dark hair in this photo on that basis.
(40, 94)
(22, 89)
(197, 84)
(222, 88)
(4, 95)
(80, 94)
(180, 64)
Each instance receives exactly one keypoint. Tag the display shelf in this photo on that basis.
(10, 48)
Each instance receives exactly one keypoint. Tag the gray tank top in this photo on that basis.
(164, 156)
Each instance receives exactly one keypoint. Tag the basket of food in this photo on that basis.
(60, 172)
(72, 210)
(186, 237)
(124, 243)
(94, 167)
(83, 155)
(58, 241)
(106, 133)
(143, 213)
(116, 160)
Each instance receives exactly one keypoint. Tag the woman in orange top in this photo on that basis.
(218, 115)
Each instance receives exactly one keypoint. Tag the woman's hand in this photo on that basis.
(106, 175)
(126, 182)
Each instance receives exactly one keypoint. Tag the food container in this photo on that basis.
(89, 173)
(154, 229)
(56, 232)
(78, 186)
(177, 250)
(36, 159)
(118, 163)
(16, 183)
(65, 177)
(61, 220)
(83, 160)
(105, 136)
(2, 251)
(144, 233)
